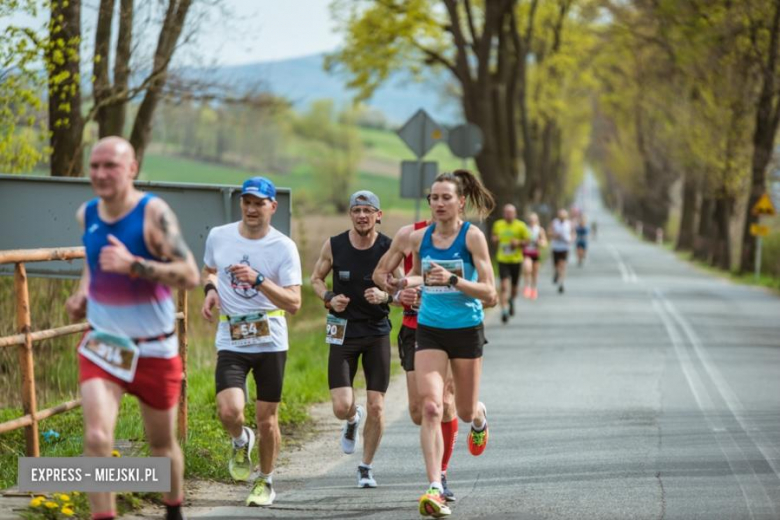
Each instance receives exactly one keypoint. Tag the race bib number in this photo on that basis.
(507, 249)
(335, 330)
(250, 329)
(117, 355)
(453, 266)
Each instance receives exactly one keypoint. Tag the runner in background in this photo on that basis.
(531, 253)
(561, 238)
(509, 235)
(582, 239)
(135, 254)
(385, 276)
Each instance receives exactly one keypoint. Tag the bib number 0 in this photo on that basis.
(335, 330)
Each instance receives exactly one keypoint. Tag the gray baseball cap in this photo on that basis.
(364, 198)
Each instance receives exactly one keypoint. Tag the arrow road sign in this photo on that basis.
(421, 133)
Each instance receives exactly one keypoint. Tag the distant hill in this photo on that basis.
(302, 80)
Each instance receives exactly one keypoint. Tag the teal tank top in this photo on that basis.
(447, 307)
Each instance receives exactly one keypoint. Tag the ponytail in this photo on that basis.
(468, 185)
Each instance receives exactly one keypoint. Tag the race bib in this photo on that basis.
(453, 266)
(507, 249)
(117, 355)
(335, 330)
(249, 329)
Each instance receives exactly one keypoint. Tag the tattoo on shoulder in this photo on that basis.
(171, 234)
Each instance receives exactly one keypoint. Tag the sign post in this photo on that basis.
(465, 141)
(420, 133)
(763, 207)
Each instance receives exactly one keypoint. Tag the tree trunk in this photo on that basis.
(701, 248)
(687, 220)
(767, 117)
(65, 121)
(101, 84)
(113, 122)
(166, 45)
(721, 243)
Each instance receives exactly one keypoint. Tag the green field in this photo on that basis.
(381, 145)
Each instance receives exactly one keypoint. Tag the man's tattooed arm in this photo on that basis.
(163, 235)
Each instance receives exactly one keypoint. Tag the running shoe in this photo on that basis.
(527, 292)
(504, 316)
(240, 464)
(449, 496)
(350, 433)
(555, 278)
(560, 289)
(433, 503)
(262, 494)
(534, 293)
(477, 440)
(365, 477)
(511, 307)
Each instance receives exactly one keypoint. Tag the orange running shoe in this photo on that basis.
(534, 293)
(477, 440)
(527, 292)
(433, 503)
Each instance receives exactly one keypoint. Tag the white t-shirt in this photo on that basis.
(275, 256)
(561, 235)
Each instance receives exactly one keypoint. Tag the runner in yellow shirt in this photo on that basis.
(509, 235)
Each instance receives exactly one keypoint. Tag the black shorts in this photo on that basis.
(558, 256)
(267, 369)
(465, 343)
(343, 362)
(407, 341)
(509, 271)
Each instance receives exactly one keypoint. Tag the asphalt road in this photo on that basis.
(649, 390)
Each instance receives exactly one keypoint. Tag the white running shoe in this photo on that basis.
(365, 477)
(350, 433)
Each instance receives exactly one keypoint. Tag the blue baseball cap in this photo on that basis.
(260, 187)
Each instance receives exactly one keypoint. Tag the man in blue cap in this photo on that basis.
(357, 326)
(252, 277)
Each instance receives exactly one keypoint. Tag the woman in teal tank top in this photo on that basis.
(452, 263)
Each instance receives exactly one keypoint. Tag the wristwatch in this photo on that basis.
(453, 280)
(259, 280)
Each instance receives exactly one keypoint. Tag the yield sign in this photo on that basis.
(764, 206)
(421, 133)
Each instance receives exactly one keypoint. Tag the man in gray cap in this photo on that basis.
(357, 325)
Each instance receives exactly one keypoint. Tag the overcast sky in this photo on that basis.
(260, 30)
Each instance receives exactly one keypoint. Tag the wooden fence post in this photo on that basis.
(182, 335)
(26, 358)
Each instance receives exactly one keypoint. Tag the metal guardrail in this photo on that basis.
(26, 337)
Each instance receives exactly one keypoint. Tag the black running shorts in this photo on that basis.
(407, 340)
(558, 256)
(465, 343)
(267, 369)
(343, 362)
(509, 271)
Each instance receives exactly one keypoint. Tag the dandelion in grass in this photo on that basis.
(67, 511)
(115, 453)
(51, 505)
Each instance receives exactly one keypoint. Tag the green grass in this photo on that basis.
(207, 448)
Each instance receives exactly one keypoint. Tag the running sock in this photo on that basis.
(449, 432)
(239, 442)
(173, 512)
(364, 465)
(478, 428)
(353, 420)
(436, 485)
(268, 478)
